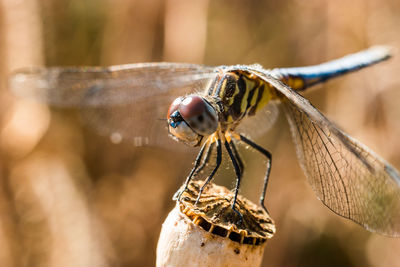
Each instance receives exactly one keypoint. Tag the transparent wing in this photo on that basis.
(105, 86)
(347, 177)
(126, 102)
(142, 122)
(261, 122)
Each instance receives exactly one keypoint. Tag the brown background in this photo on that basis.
(71, 198)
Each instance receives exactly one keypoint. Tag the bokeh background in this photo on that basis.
(69, 197)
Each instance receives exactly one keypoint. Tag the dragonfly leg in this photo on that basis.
(178, 194)
(236, 165)
(206, 159)
(237, 156)
(218, 163)
(268, 155)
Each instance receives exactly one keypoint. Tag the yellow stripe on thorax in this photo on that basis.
(265, 97)
(254, 83)
(254, 98)
(229, 119)
(223, 92)
(249, 85)
(223, 88)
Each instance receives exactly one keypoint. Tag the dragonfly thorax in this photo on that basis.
(191, 118)
(241, 94)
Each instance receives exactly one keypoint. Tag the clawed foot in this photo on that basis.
(178, 194)
(238, 213)
(198, 197)
(263, 206)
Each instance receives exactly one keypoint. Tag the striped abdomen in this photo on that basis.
(242, 94)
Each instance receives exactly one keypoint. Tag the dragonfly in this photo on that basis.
(217, 108)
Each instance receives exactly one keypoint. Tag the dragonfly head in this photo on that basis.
(191, 118)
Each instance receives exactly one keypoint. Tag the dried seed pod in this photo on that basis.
(211, 233)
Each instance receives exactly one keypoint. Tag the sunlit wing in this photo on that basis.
(261, 122)
(96, 86)
(126, 102)
(347, 177)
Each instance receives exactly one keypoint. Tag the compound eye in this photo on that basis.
(192, 106)
(174, 106)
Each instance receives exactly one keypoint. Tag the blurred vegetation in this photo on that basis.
(69, 197)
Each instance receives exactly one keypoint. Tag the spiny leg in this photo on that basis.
(237, 156)
(268, 155)
(196, 164)
(205, 160)
(238, 176)
(218, 163)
